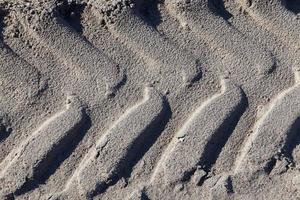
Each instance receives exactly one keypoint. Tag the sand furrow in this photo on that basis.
(272, 133)
(15, 89)
(30, 161)
(273, 16)
(76, 52)
(163, 56)
(221, 37)
(202, 134)
(153, 121)
(116, 149)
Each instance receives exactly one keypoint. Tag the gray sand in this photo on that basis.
(150, 99)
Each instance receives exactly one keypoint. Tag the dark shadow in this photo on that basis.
(217, 7)
(293, 5)
(221, 136)
(229, 185)
(10, 197)
(270, 165)
(148, 11)
(5, 129)
(146, 140)
(138, 149)
(144, 196)
(56, 156)
(71, 13)
(3, 13)
(218, 140)
(292, 139)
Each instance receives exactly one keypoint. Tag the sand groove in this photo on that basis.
(76, 52)
(115, 150)
(12, 86)
(195, 142)
(131, 151)
(30, 161)
(163, 56)
(273, 16)
(223, 38)
(272, 133)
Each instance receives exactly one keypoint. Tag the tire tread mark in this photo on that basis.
(158, 52)
(193, 142)
(106, 163)
(272, 132)
(34, 156)
(75, 51)
(207, 26)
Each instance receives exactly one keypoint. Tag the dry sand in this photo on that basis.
(150, 99)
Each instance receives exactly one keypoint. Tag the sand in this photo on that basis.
(150, 99)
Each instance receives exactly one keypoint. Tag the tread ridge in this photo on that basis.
(207, 26)
(105, 163)
(29, 161)
(229, 105)
(159, 53)
(66, 44)
(271, 132)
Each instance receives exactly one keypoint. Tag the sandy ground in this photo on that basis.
(150, 99)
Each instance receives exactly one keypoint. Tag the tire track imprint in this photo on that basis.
(193, 154)
(196, 146)
(75, 51)
(115, 151)
(163, 56)
(28, 164)
(272, 134)
(226, 41)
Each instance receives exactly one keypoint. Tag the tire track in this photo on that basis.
(198, 143)
(273, 16)
(160, 54)
(117, 149)
(29, 163)
(272, 134)
(52, 31)
(14, 88)
(191, 157)
(221, 37)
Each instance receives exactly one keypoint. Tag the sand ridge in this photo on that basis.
(158, 99)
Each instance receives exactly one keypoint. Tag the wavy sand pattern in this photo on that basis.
(149, 99)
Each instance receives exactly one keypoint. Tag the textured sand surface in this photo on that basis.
(150, 99)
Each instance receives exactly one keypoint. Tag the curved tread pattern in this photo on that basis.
(193, 144)
(31, 159)
(115, 150)
(207, 26)
(68, 45)
(124, 158)
(157, 51)
(271, 132)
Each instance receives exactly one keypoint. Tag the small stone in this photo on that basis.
(179, 187)
(199, 176)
